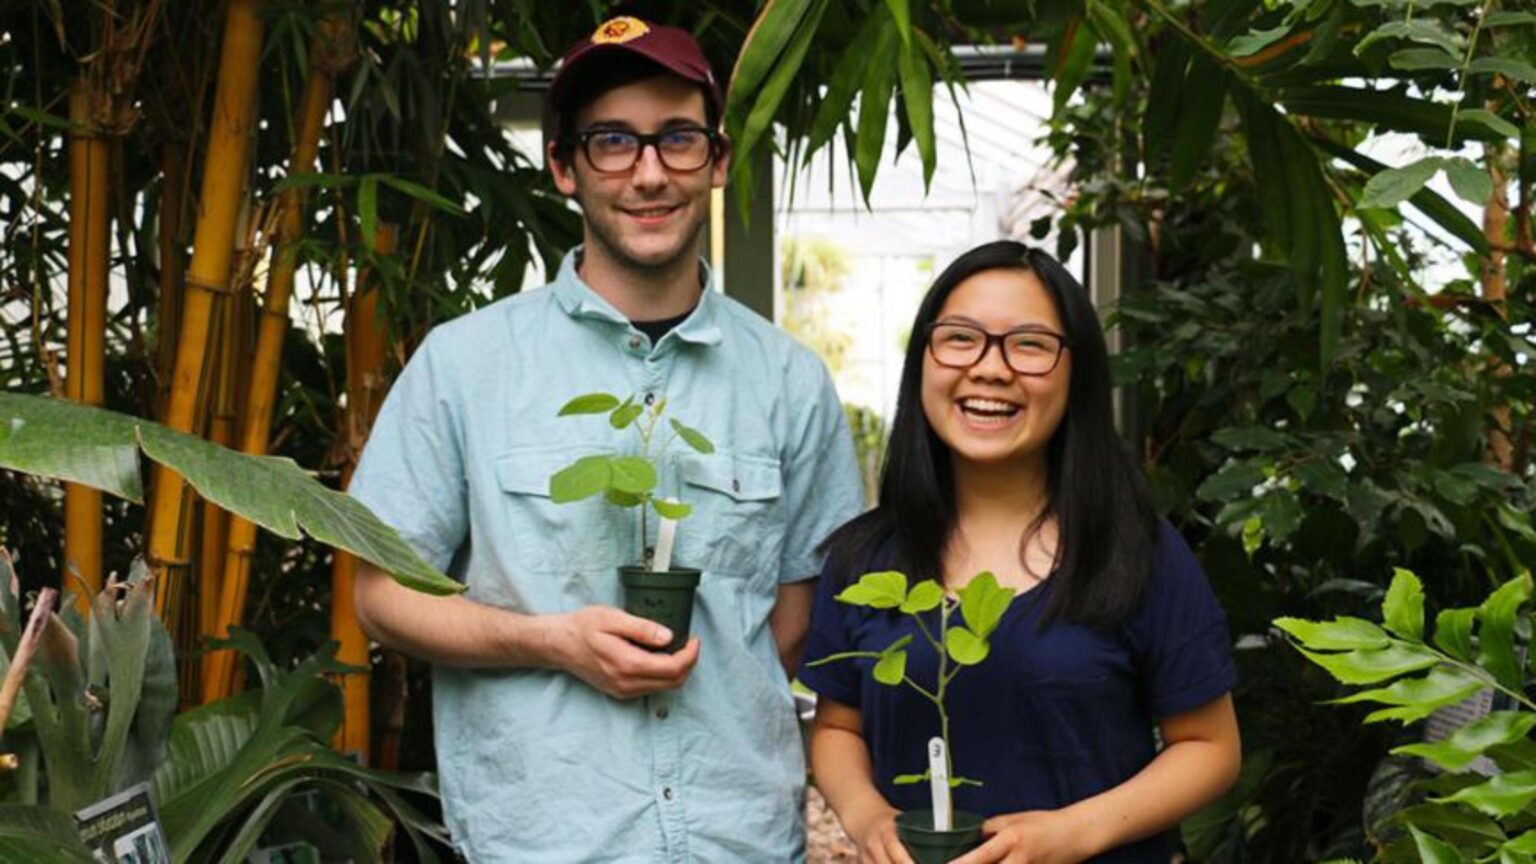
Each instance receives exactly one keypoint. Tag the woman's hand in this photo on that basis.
(1031, 837)
(874, 833)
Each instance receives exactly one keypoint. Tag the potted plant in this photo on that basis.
(938, 834)
(653, 588)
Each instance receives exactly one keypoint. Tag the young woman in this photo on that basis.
(1004, 458)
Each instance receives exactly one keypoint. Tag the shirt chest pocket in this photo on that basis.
(737, 523)
(542, 536)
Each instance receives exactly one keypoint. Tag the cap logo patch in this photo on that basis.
(617, 31)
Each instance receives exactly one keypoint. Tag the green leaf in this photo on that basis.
(1074, 57)
(625, 414)
(1236, 479)
(581, 479)
(1524, 843)
(693, 438)
(1419, 59)
(1461, 748)
(1369, 667)
(631, 474)
(1426, 200)
(1496, 637)
(1471, 183)
(368, 208)
(917, 96)
(1396, 185)
(891, 668)
(910, 779)
(885, 589)
(1501, 795)
(1417, 698)
(785, 67)
(1490, 121)
(622, 499)
(1343, 633)
(422, 193)
(1403, 608)
(965, 647)
(98, 448)
(1256, 40)
(901, 13)
(1423, 30)
(1433, 850)
(983, 602)
(48, 834)
(1513, 69)
(591, 403)
(874, 106)
(1251, 438)
(925, 595)
(1453, 632)
(1509, 19)
(674, 510)
(772, 31)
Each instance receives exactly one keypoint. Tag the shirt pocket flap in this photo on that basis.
(526, 470)
(743, 478)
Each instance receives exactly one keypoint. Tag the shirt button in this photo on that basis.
(650, 398)
(634, 341)
(736, 485)
(662, 713)
(666, 792)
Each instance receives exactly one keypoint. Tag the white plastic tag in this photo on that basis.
(938, 774)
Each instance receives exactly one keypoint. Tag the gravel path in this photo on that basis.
(826, 843)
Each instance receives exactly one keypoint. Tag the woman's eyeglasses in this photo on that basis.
(614, 151)
(1027, 350)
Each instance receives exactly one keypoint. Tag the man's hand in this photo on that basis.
(604, 647)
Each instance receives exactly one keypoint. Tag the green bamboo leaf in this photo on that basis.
(581, 479)
(874, 107)
(1500, 796)
(1396, 185)
(1496, 637)
(368, 207)
(1255, 41)
(965, 647)
(1509, 19)
(1490, 121)
(885, 589)
(983, 602)
(1074, 57)
(674, 510)
(1420, 59)
(1205, 95)
(1369, 667)
(1453, 632)
(1403, 608)
(760, 119)
(1470, 182)
(1385, 110)
(901, 13)
(422, 193)
(891, 668)
(1433, 850)
(917, 96)
(693, 437)
(1426, 31)
(776, 24)
(925, 595)
(591, 403)
(1464, 746)
(1165, 98)
(1510, 68)
(843, 85)
(631, 474)
(1343, 633)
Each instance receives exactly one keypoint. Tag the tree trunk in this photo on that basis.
(207, 283)
(1495, 290)
(366, 354)
(331, 55)
(89, 243)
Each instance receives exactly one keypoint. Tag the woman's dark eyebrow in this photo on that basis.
(972, 322)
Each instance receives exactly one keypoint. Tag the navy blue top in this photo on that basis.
(1052, 716)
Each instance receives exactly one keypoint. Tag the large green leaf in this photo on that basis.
(1417, 698)
(1428, 202)
(1464, 746)
(875, 105)
(98, 448)
(1433, 850)
(1396, 185)
(965, 647)
(583, 478)
(768, 98)
(843, 85)
(632, 474)
(1199, 118)
(1496, 636)
(1386, 110)
(917, 97)
(1403, 607)
(884, 589)
(1343, 633)
(30, 834)
(983, 602)
(1369, 667)
(1499, 796)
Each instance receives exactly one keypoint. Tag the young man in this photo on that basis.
(560, 737)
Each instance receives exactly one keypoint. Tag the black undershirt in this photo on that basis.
(658, 329)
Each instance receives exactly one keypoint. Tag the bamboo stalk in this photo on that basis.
(86, 342)
(366, 356)
(207, 279)
(328, 60)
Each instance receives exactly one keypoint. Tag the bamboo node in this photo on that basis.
(224, 287)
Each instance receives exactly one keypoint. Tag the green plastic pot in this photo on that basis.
(927, 846)
(663, 596)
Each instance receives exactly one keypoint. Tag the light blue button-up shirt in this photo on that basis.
(535, 765)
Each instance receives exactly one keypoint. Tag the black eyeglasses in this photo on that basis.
(1027, 350)
(614, 151)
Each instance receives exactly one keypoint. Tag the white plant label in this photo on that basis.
(938, 779)
(666, 534)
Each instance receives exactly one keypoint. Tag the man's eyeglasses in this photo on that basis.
(1027, 350)
(614, 151)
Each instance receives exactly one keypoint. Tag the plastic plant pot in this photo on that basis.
(928, 846)
(663, 596)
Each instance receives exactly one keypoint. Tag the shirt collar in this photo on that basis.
(579, 301)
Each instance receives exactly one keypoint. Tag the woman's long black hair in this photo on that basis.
(1107, 529)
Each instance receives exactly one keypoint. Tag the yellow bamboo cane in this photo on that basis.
(366, 353)
(86, 341)
(207, 279)
(329, 58)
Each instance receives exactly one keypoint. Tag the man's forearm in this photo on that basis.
(451, 631)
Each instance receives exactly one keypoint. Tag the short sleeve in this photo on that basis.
(1180, 633)
(821, 477)
(831, 633)
(412, 469)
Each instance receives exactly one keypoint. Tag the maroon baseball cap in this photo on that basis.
(671, 48)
